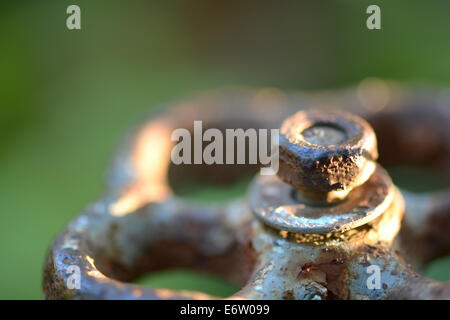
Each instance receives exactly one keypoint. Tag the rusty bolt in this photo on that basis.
(326, 154)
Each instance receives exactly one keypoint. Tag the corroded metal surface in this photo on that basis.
(323, 152)
(278, 205)
(140, 225)
(114, 250)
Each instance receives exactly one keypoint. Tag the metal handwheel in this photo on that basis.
(311, 232)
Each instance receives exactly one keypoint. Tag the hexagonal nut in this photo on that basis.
(322, 152)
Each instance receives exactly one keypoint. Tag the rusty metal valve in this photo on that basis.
(319, 230)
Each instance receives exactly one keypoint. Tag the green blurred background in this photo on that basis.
(66, 97)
